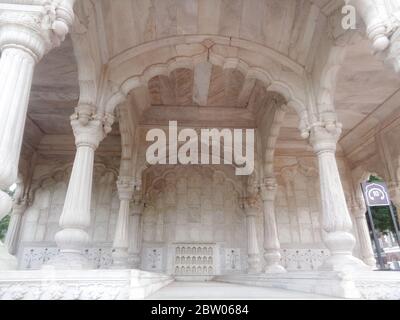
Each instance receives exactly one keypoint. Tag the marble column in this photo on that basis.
(135, 245)
(336, 221)
(89, 130)
(364, 239)
(253, 252)
(27, 33)
(126, 187)
(382, 28)
(272, 245)
(11, 239)
(376, 21)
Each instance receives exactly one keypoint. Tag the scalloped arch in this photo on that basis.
(284, 87)
(238, 187)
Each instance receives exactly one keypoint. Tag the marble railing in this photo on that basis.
(303, 259)
(33, 257)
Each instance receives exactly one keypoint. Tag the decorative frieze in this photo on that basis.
(153, 259)
(33, 258)
(303, 259)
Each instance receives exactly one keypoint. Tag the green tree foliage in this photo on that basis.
(3, 227)
(6, 220)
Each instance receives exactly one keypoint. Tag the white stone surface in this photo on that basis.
(51, 284)
(371, 285)
(226, 291)
(288, 71)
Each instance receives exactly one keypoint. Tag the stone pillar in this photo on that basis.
(135, 245)
(27, 32)
(253, 252)
(336, 221)
(272, 246)
(11, 240)
(121, 238)
(89, 130)
(366, 250)
(375, 18)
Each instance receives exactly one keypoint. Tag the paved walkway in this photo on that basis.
(225, 291)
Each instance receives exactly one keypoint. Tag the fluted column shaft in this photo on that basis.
(16, 71)
(366, 250)
(272, 245)
(89, 131)
(26, 34)
(253, 252)
(135, 245)
(121, 238)
(11, 239)
(336, 221)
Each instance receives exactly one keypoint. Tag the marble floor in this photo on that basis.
(225, 291)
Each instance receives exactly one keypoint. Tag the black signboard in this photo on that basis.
(376, 194)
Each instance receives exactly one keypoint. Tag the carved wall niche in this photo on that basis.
(298, 202)
(193, 204)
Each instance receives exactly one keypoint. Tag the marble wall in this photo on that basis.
(298, 202)
(194, 205)
(199, 205)
(41, 219)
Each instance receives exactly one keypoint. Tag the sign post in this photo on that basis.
(376, 195)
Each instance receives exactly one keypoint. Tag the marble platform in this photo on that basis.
(372, 285)
(80, 285)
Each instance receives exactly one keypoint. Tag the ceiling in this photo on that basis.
(363, 84)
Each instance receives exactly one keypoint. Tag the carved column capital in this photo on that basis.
(359, 211)
(268, 189)
(251, 206)
(138, 207)
(324, 137)
(20, 206)
(89, 127)
(126, 187)
(35, 27)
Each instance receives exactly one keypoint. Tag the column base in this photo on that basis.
(277, 268)
(344, 263)
(272, 258)
(370, 262)
(69, 261)
(120, 259)
(7, 261)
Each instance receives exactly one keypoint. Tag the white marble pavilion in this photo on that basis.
(91, 219)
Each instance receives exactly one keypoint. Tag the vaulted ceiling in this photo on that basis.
(292, 28)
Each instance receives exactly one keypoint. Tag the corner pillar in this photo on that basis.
(253, 252)
(336, 221)
(366, 250)
(126, 187)
(89, 130)
(272, 245)
(11, 239)
(136, 220)
(27, 33)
